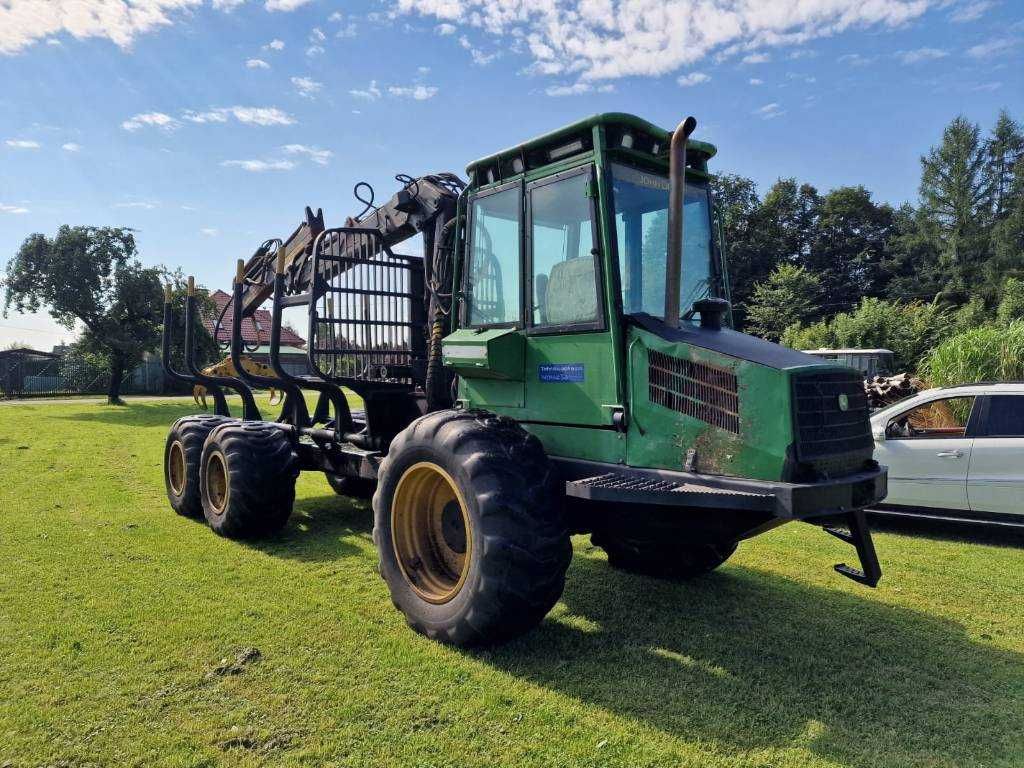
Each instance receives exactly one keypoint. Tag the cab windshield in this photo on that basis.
(641, 224)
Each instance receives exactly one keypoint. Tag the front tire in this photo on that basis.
(665, 558)
(247, 479)
(469, 528)
(182, 454)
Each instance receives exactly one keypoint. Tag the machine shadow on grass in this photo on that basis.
(135, 414)
(746, 660)
(321, 528)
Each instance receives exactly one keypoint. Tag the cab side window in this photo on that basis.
(494, 281)
(946, 418)
(1005, 416)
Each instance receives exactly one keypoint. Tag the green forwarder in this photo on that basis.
(559, 360)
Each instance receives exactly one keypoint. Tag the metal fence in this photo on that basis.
(33, 374)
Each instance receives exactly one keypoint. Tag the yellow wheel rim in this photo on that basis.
(430, 530)
(176, 468)
(217, 483)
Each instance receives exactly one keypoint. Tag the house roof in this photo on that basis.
(255, 329)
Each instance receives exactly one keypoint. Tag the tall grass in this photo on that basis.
(992, 353)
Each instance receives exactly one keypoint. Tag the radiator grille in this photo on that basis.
(699, 390)
(825, 432)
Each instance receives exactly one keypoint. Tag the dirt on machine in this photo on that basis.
(558, 360)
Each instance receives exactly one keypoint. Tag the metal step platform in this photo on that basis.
(636, 489)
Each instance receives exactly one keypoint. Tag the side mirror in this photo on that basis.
(878, 432)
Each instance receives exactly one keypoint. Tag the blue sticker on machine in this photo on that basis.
(561, 372)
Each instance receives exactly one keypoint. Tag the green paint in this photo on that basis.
(515, 371)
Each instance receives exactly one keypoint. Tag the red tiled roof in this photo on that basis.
(250, 333)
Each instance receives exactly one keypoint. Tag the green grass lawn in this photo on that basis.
(115, 616)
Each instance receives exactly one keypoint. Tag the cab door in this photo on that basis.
(570, 375)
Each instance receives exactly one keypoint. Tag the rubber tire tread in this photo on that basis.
(672, 560)
(262, 467)
(192, 431)
(353, 487)
(521, 545)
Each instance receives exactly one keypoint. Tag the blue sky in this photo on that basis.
(207, 125)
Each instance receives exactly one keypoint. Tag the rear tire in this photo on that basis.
(663, 559)
(469, 528)
(353, 487)
(247, 479)
(182, 454)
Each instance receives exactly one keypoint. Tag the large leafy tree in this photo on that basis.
(849, 247)
(91, 275)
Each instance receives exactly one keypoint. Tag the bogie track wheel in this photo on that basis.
(247, 479)
(469, 529)
(182, 453)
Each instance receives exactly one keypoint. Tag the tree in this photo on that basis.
(912, 269)
(1005, 147)
(91, 275)
(956, 197)
(848, 247)
(1011, 306)
(788, 296)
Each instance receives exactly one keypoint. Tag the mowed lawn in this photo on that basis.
(116, 617)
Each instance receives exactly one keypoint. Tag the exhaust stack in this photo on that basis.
(676, 197)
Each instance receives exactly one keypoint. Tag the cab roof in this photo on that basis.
(617, 124)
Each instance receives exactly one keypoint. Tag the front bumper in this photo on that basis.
(628, 485)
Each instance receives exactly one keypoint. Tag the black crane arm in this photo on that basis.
(422, 206)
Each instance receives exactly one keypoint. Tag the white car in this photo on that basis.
(955, 452)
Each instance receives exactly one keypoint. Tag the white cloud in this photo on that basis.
(317, 35)
(987, 87)
(605, 39)
(307, 87)
(25, 22)
(284, 5)
(756, 81)
(259, 166)
(855, 60)
(445, 29)
(274, 45)
(694, 78)
(970, 11)
(71, 147)
(576, 89)
(480, 58)
(14, 209)
(209, 231)
(992, 47)
(918, 55)
(337, 16)
(143, 204)
(22, 144)
(318, 156)
(256, 64)
(227, 5)
(370, 93)
(349, 30)
(756, 58)
(152, 119)
(768, 111)
(417, 92)
(802, 53)
(249, 115)
(315, 50)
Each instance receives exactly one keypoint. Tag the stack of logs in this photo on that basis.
(886, 390)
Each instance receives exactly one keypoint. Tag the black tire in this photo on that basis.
(515, 567)
(353, 487)
(182, 453)
(662, 558)
(247, 479)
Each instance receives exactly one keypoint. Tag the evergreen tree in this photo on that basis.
(956, 198)
(1005, 148)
